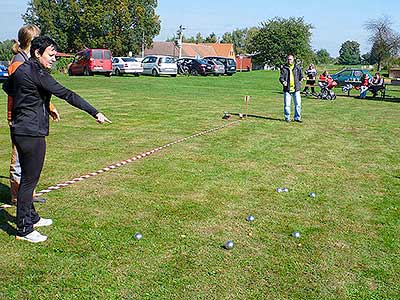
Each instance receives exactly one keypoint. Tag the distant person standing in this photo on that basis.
(311, 75)
(290, 78)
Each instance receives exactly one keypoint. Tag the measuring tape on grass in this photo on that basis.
(132, 159)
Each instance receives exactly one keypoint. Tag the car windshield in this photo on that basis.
(128, 59)
(231, 62)
(203, 61)
(167, 60)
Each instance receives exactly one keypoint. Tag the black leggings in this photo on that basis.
(31, 151)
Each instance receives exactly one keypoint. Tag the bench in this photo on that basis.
(388, 86)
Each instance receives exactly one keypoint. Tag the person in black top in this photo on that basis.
(377, 84)
(31, 87)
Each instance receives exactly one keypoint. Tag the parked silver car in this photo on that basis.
(126, 65)
(218, 67)
(159, 65)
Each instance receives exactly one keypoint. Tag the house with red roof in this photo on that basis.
(191, 49)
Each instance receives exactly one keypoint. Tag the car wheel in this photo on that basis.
(333, 97)
(86, 72)
(117, 72)
(70, 72)
(109, 74)
(194, 72)
(173, 75)
(328, 97)
(154, 72)
(136, 74)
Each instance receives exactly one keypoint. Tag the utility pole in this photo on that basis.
(180, 37)
(143, 45)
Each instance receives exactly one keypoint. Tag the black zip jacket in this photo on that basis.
(32, 87)
(284, 78)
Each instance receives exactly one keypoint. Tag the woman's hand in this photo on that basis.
(55, 115)
(100, 118)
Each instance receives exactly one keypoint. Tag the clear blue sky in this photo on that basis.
(334, 21)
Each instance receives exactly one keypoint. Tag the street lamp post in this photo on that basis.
(180, 37)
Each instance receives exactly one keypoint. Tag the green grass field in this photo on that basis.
(188, 199)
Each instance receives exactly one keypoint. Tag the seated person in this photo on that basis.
(325, 79)
(365, 82)
(311, 74)
(377, 84)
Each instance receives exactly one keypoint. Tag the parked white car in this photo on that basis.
(126, 65)
(159, 65)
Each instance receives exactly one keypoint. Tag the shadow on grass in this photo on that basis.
(5, 194)
(378, 99)
(258, 117)
(5, 220)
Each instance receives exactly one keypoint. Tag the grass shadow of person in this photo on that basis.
(5, 193)
(5, 219)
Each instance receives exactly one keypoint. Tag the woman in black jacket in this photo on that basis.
(32, 87)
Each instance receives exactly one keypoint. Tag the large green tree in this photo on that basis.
(349, 53)
(5, 50)
(385, 41)
(322, 57)
(120, 25)
(240, 38)
(278, 37)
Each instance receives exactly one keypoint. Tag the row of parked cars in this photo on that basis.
(90, 61)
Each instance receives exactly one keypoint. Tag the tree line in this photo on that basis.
(275, 38)
(128, 25)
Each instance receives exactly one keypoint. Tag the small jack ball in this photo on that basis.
(312, 195)
(138, 236)
(229, 245)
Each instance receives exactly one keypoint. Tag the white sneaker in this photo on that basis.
(43, 222)
(33, 237)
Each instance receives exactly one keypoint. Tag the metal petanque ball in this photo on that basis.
(312, 195)
(296, 234)
(229, 245)
(285, 190)
(279, 190)
(138, 236)
(250, 218)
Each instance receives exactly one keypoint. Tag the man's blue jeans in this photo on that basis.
(287, 99)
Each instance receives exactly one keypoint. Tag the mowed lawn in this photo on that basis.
(190, 198)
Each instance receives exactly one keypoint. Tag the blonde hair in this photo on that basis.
(25, 36)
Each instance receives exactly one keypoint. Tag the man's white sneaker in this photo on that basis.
(43, 222)
(33, 237)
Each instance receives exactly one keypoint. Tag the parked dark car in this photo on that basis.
(3, 73)
(349, 75)
(194, 66)
(229, 63)
(90, 61)
(218, 67)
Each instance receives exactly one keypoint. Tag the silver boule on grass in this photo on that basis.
(250, 218)
(138, 236)
(312, 195)
(279, 190)
(229, 245)
(296, 234)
